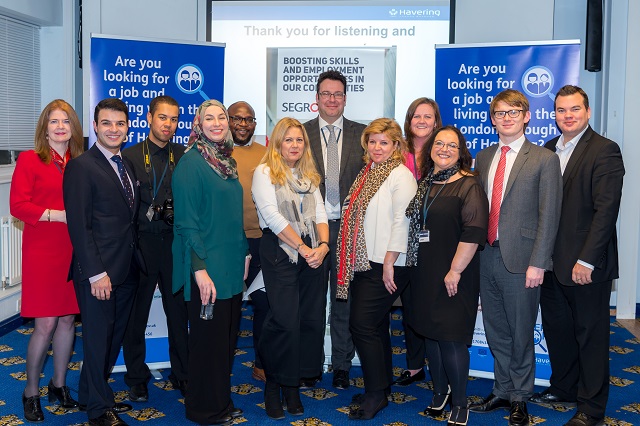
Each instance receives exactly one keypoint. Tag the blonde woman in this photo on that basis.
(292, 252)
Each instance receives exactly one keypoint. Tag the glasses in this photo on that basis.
(237, 120)
(338, 96)
(514, 113)
(439, 144)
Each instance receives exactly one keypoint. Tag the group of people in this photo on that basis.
(330, 205)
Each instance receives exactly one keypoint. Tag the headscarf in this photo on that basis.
(217, 154)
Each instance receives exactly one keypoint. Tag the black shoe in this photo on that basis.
(547, 397)
(309, 382)
(272, 401)
(180, 385)
(340, 379)
(118, 408)
(372, 404)
(223, 421)
(459, 416)
(584, 419)
(32, 410)
(292, 399)
(518, 415)
(489, 404)
(438, 402)
(109, 418)
(139, 393)
(406, 378)
(61, 395)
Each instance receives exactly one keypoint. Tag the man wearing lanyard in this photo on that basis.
(154, 160)
(337, 151)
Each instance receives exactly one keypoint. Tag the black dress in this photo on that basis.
(459, 213)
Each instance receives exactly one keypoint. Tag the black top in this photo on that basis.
(159, 158)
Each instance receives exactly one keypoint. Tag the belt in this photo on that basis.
(334, 220)
(496, 243)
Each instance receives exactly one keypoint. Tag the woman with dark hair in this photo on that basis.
(294, 244)
(423, 117)
(47, 294)
(371, 256)
(449, 216)
(210, 261)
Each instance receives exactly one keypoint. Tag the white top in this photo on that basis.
(264, 195)
(386, 227)
(511, 159)
(565, 149)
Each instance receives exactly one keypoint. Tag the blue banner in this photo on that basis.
(467, 79)
(136, 71)
(469, 76)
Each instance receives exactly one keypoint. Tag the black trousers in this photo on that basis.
(369, 323)
(103, 326)
(291, 344)
(156, 250)
(575, 320)
(258, 298)
(413, 341)
(212, 347)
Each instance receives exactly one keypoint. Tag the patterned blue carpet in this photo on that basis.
(324, 405)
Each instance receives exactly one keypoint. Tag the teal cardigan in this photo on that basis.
(208, 228)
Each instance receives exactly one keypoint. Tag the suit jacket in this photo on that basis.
(592, 187)
(101, 224)
(530, 209)
(350, 158)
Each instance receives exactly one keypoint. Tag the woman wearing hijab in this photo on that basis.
(449, 217)
(47, 294)
(292, 251)
(371, 255)
(210, 261)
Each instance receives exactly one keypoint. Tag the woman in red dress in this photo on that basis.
(47, 295)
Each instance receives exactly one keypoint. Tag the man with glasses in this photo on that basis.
(575, 295)
(524, 187)
(248, 154)
(335, 145)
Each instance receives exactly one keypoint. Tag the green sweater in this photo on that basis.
(208, 229)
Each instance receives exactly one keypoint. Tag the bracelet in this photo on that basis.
(48, 215)
(249, 257)
(299, 245)
(323, 242)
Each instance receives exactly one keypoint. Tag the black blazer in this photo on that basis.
(592, 187)
(350, 158)
(101, 224)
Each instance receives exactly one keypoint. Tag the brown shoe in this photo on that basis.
(258, 374)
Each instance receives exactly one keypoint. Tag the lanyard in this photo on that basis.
(425, 207)
(156, 188)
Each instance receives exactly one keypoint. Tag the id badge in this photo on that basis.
(149, 213)
(423, 236)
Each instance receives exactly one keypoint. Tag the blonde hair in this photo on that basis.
(279, 171)
(76, 143)
(390, 128)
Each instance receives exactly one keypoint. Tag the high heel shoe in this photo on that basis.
(439, 401)
(459, 416)
(61, 395)
(292, 400)
(32, 410)
(272, 401)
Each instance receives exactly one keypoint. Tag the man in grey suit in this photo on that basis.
(524, 186)
(337, 151)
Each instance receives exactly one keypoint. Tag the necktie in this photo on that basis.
(333, 168)
(496, 196)
(124, 177)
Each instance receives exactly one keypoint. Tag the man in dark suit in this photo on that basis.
(337, 151)
(523, 184)
(575, 295)
(153, 162)
(101, 199)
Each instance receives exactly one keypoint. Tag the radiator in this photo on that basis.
(11, 250)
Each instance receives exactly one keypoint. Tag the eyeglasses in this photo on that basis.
(514, 113)
(237, 120)
(439, 144)
(338, 96)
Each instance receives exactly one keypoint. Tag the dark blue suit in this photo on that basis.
(103, 235)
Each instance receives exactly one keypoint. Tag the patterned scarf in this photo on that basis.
(352, 248)
(301, 214)
(414, 209)
(60, 162)
(217, 154)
